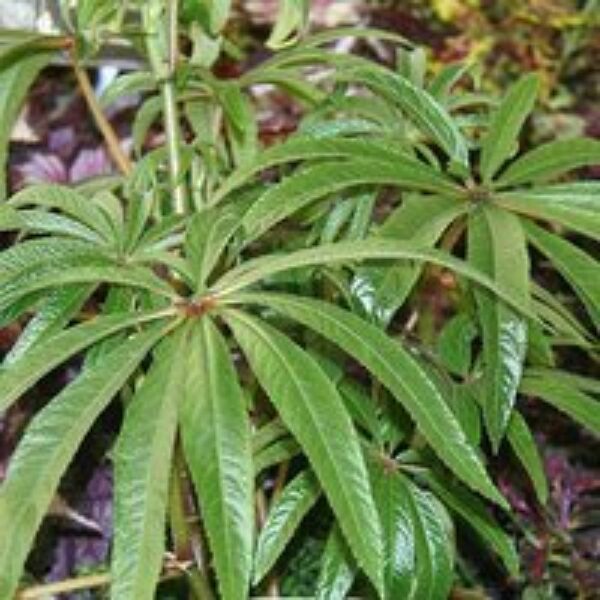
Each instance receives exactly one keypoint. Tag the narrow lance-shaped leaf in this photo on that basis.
(43, 252)
(565, 397)
(48, 354)
(434, 545)
(303, 147)
(65, 200)
(551, 159)
(338, 568)
(312, 409)
(215, 430)
(399, 372)
(207, 235)
(576, 266)
(420, 219)
(39, 221)
(420, 106)
(585, 384)
(56, 312)
(127, 84)
(48, 446)
(523, 444)
(253, 271)
(142, 469)
(477, 517)
(396, 513)
(282, 450)
(318, 181)
(15, 80)
(292, 18)
(285, 515)
(496, 246)
(575, 205)
(145, 116)
(500, 142)
(89, 270)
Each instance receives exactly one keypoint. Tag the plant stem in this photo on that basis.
(63, 587)
(87, 582)
(183, 538)
(171, 111)
(272, 590)
(110, 137)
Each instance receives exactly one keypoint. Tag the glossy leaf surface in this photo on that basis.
(311, 408)
(497, 247)
(397, 371)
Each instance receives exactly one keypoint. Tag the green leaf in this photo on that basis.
(232, 101)
(15, 80)
(312, 409)
(396, 513)
(501, 140)
(523, 444)
(442, 84)
(277, 452)
(360, 406)
(148, 112)
(401, 374)
(454, 344)
(321, 180)
(127, 84)
(10, 218)
(32, 254)
(253, 271)
(577, 267)
(476, 515)
(207, 235)
(47, 354)
(219, 14)
(465, 406)
(574, 205)
(558, 318)
(565, 397)
(434, 545)
(420, 219)
(41, 221)
(419, 105)
(142, 469)
(333, 34)
(585, 384)
(309, 147)
(496, 246)
(215, 429)
(292, 18)
(65, 200)
(93, 272)
(338, 568)
(16, 44)
(48, 446)
(551, 159)
(54, 314)
(284, 517)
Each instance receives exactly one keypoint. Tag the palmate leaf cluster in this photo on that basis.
(237, 324)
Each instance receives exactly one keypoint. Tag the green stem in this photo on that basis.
(183, 537)
(171, 111)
